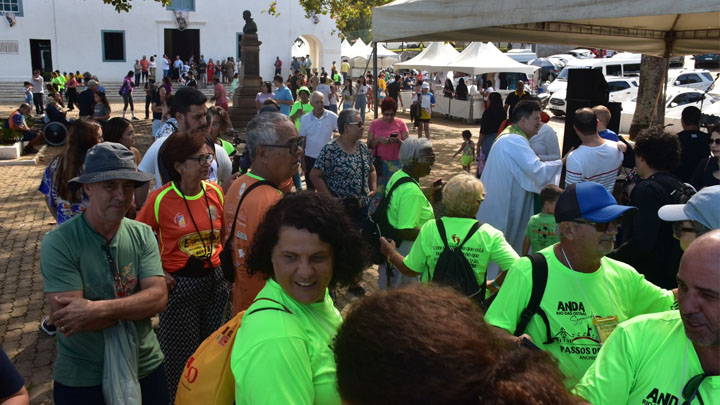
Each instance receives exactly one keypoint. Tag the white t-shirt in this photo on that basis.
(325, 90)
(166, 64)
(220, 168)
(317, 131)
(597, 163)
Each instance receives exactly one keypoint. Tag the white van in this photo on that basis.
(620, 65)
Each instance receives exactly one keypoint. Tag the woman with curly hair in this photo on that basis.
(281, 353)
(427, 345)
(648, 243)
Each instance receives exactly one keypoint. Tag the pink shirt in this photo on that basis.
(220, 94)
(382, 129)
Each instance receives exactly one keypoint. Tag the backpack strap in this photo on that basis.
(441, 229)
(398, 184)
(539, 283)
(284, 308)
(249, 189)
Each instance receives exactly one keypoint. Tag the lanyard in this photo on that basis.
(583, 290)
(212, 229)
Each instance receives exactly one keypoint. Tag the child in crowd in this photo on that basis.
(28, 90)
(467, 149)
(541, 227)
(603, 116)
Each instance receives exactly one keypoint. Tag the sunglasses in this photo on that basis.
(715, 141)
(692, 389)
(679, 229)
(600, 227)
(359, 124)
(292, 147)
(203, 159)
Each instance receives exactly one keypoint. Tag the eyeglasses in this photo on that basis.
(715, 141)
(679, 229)
(292, 147)
(203, 159)
(600, 227)
(692, 388)
(359, 124)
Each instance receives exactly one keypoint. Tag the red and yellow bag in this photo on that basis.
(207, 378)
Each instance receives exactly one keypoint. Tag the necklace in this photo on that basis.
(607, 288)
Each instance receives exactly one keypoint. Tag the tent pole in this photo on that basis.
(375, 79)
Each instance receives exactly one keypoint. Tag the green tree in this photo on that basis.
(125, 5)
(351, 16)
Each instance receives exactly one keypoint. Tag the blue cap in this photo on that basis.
(590, 201)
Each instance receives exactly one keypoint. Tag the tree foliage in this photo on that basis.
(125, 5)
(350, 15)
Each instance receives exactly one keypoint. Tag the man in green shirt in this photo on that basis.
(301, 107)
(587, 294)
(103, 277)
(671, 357)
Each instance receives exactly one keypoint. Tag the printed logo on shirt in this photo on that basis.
(213, 213)
(655, 397)
(192, 244)
(585, 343)
(125, 281)
(455, 239)
(179, 220)
(570, 308)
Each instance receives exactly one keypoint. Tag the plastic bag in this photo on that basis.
(120, 383)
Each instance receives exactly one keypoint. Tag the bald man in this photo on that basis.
(671, 357)
(316, 130)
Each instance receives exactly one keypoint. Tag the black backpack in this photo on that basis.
(539, 282)
(377, 224)
(453, 269)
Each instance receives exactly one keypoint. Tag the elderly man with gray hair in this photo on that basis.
(316, 130)
(408, 208)
(272, 142)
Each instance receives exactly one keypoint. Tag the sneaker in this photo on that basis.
(135, 118)
(49, 329)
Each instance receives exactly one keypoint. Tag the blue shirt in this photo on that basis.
(609, 135)
(283, 93)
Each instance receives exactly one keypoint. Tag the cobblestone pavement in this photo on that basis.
(24, 220)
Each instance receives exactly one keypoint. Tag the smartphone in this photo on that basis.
(529, 344)
(395, 135)
(437, 182)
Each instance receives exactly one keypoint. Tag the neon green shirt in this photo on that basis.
(642, 363)
(306, 108)
(59, 81)
(485, 245)
(570, 301)
(541, 231)
(282, 358)
(228, 147)
(408, 207)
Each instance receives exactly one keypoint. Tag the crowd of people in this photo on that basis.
(620, 272)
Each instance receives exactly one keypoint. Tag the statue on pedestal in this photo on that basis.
(250, 27)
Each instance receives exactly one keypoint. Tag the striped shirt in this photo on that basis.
(594, 163)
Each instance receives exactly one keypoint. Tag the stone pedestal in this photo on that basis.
(243, 109)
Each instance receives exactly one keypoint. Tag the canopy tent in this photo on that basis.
(479, 58)
(345, 48)
(386, 57)
(359, 53)
(437, 54)
(653, 27)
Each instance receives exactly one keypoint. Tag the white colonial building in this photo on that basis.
(88, 35)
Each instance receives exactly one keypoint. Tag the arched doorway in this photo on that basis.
(314, 48)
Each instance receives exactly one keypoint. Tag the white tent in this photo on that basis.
(345, 48)
(479, 58)
(386, 57)
(437, 54)
(653, 27)
(359, 54)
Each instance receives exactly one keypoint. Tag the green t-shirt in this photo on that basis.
(571, 300)
(541, 231)
(281, 358)
(228, 147)
(408, 207)
(646, 361)
(487, 244)
(74, 257)
(60, 83)
(306, 108)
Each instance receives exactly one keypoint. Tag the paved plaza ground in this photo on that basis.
(24, 220)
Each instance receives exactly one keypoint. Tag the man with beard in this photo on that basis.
(585, 294)
(671, 357)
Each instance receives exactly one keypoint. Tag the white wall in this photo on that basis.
(74, 29)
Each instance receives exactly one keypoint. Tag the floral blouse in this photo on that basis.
(346, 174)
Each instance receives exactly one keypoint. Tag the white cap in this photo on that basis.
(426, 85)
(703, 207)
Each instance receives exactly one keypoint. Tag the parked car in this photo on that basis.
(625, 64)
(676, 101)
(562, 58)
(548, 69)
(620, 88)
(581, 53)
(696, 79)
(707, 59)
(521, 55)
(677, 61)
